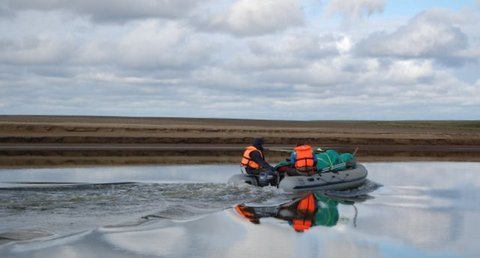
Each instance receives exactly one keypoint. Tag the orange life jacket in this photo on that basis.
(249, 162)
(243, 211)
(304, 157)
(305, 213)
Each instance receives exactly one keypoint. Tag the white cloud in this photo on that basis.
(431, 34)
(146, 44)
(353, 10)
(218, 77)
(291, 50)
(254, 17)
(34, 50)
(162, 45)
(409, 72)
(345, 44)
(108, 10)
(416, 86)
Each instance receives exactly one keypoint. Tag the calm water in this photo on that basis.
(422, 210)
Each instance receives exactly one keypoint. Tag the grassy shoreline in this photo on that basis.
(130, 140)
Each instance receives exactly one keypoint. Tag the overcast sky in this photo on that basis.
(261, 59)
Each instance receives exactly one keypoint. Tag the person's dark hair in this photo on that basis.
(258, 141)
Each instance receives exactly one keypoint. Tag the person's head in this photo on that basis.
(258, 142)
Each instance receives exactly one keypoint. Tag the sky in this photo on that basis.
(255, 59)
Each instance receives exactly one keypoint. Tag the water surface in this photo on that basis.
(424, 209)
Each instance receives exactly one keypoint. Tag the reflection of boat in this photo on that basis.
(329, 180)
(301, 213)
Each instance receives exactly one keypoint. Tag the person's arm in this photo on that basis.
(293, 158)
(255, 156)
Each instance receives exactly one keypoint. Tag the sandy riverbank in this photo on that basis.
(70, 140)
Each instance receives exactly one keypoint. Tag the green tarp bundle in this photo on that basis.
(329, 159)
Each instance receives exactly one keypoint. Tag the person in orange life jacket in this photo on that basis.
(303, 160)
(253, 161)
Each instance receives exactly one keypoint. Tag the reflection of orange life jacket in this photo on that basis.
(305, 212)
(304, 156)
(247, 161)
(248, 213)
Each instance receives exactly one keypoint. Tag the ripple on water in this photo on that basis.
(71, 208)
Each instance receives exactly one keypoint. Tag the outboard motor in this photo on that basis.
(265, 178)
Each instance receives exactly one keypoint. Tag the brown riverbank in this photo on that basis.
(70, 140)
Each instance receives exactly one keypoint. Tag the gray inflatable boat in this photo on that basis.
(331, 180)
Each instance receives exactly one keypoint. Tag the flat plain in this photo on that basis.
(84, 140)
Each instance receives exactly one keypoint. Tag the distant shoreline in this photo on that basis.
(84, 140)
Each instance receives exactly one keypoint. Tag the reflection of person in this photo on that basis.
(303, 160)
(253, 159)
(302, 214)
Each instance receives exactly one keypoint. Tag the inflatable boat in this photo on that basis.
(327, 180)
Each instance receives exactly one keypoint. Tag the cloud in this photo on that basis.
(353, 10)
(396, 76)
(280, 58)
(108, 10)
(431, 34)
(253, 17)
(33, 50)
(291, 50)
(144, 45)
(162, 45)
